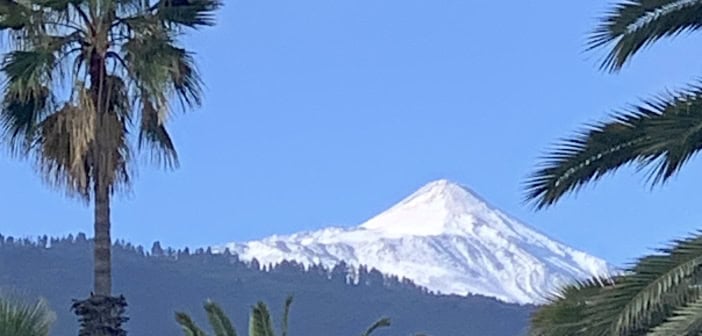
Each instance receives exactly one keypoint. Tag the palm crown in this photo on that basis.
(116, 64)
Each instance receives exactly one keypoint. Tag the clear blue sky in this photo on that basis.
(325, 113)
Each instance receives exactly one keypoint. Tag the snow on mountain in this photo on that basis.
(443, 237)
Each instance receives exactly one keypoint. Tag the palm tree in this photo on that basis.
(88, 82)
(21, 319)
(660, 134)
(260, 322)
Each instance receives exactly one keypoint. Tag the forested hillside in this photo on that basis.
(160, 281)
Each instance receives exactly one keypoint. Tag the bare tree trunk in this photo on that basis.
(103, 242)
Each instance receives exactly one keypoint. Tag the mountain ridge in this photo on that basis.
(446, 238)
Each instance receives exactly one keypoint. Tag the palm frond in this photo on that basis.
(13, 15)
(185, 78)
(260, 323)
(686, 321)
(588, 156)
(19, 118)
(160, 68)
(157, 65)
(188, 325)
(154, 137)
(29, 75)
(381, 323)
(20, 319)
(663, 133)
(676, 133)
(220, 323)
(286, 315)
(634, 24)
(658, 294)
(27, 24)
(187, 13)
(66, 146)
(567, 312)
(653, 288)
(64, 143)
(27, 72)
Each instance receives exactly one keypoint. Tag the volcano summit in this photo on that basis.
(443, 237)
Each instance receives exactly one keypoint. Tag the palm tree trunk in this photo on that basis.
(103, 242)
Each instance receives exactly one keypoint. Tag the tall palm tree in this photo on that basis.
(88, 82)
(661, 134)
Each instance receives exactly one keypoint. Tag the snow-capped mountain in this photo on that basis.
(443, 237)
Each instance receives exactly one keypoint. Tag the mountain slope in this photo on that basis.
(443, 237)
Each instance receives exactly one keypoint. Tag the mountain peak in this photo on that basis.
(439, 207)
(446, 238)
(442, 187)
(445, 191)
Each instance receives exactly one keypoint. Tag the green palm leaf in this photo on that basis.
(13, 15)
(218, 320)
(635, 24)
(567, 312)
(19, 319)
(659, 295)
(19, 118)
(655, 286)
(382, 323)
(663, 134)
(187, 13)
(160, 69)
(686, 321)
(27, 71)
(286, 315)
(260, 323)
(660, 292)
(188, 325)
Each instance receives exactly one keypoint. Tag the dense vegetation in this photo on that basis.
(160, 281)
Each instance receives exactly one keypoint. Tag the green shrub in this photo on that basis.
(24, 319)
(260, 321)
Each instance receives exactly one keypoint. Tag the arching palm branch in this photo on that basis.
(661, 134)
(89, 81)
(20, 319)
(382, 323)
(566, 313)
(658, 296)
